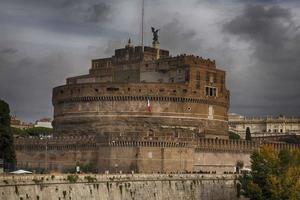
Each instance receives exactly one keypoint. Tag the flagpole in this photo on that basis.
(143, 5)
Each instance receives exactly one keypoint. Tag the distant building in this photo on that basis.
(264, 125)
(45, 122)
(17, 123)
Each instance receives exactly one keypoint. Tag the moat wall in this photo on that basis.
(117, 187)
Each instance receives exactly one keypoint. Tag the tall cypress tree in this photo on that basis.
(248, 134)
(7, 152)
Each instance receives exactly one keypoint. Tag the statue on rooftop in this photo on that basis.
(155, 34)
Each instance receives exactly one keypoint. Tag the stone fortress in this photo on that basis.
(142, 111)
(187, 96)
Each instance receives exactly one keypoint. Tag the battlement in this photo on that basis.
(93, 142)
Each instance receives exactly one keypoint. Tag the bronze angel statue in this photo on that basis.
(155, 34)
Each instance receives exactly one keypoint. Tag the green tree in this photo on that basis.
(248, 134)
(37, 131)
(234, 136)
(6, 137)
(18, 132)
(274, 175)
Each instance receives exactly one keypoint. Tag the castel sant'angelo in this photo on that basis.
(144, 93)
(141, 110)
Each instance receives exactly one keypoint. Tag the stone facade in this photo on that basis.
(187, 95)
(120, 187)
(268, 126)
(141, 156)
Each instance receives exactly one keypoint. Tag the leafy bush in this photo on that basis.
(72, 178)
(234, 136)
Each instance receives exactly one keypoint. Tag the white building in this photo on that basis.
(259, 125)
(45, 122)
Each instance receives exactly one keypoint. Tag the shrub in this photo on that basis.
(72, 178)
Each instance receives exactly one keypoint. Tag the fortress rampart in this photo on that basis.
(143, 156)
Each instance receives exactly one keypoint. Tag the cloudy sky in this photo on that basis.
(256, 41)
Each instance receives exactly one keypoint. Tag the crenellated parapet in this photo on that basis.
(94, 142)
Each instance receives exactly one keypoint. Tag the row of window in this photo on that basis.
(209, 91)
(210, 77)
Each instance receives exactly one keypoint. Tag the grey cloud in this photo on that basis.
(27, 81)
(8, 51)
(99, 12)
(274, 38)
(79, 11)
(175, 36)
(261, 24)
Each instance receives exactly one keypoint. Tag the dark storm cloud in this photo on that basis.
(44, 41)
(8, 51)
(79, 11)
(99, 12)
(175, 36)
(26, 82)
(274, 74)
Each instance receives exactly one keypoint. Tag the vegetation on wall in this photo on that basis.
(273, 175)
(234, 136)
(7, 151)
(35, 131)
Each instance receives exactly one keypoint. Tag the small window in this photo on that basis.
(281, 130)
(174, 91)
(128, 89)
(61, 91)
(198, 85)
(96, 90)
(176, 135)
(198, 75)
(112, 89)
(211, 91)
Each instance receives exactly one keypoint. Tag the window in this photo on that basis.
(198, 85)
(112, 89)
(211, 91)
(198, 75)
